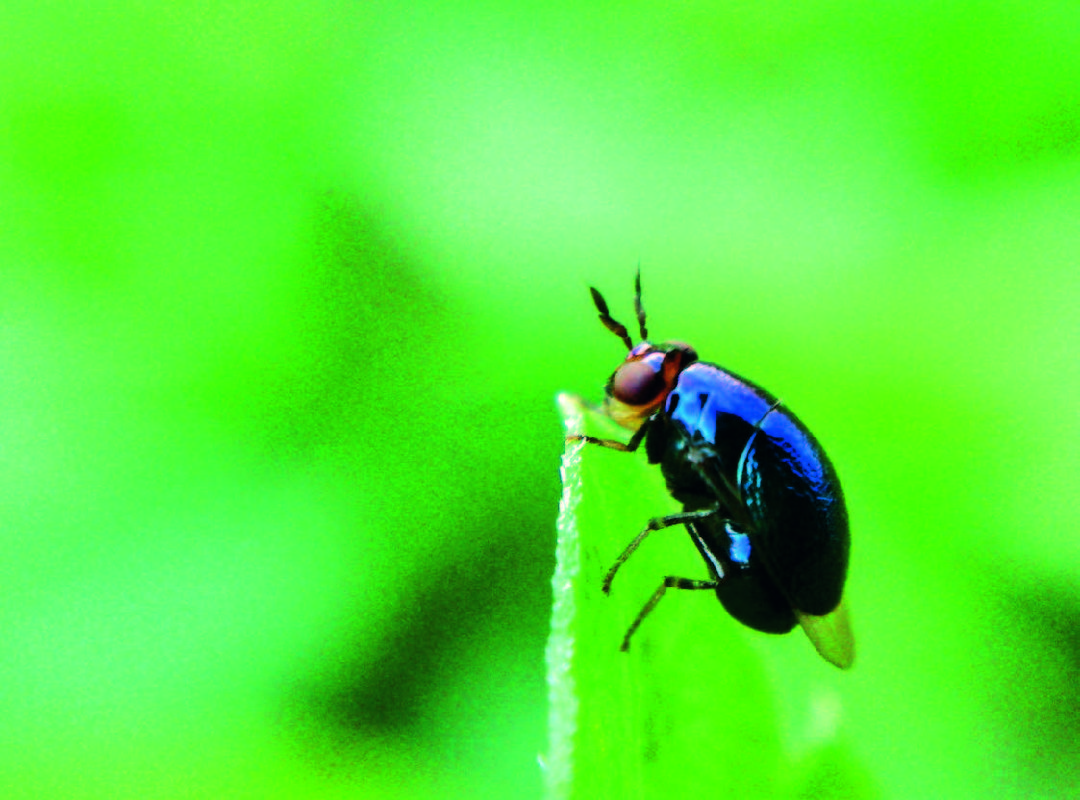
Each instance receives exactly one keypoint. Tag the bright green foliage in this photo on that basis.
(690, 705)
(286, 290)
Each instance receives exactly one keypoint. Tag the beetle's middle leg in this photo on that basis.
(670, 582)
(655, 524)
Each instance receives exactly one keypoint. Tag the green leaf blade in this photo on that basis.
(689, 707)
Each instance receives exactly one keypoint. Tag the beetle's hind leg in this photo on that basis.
(655, 524)
(670, 582)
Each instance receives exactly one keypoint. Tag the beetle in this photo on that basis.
(761, 500)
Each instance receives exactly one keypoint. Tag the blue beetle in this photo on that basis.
(760, 498)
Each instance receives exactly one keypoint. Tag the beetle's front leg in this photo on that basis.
(615, 444)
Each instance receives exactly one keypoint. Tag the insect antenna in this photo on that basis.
(612, 325)
(639, 307)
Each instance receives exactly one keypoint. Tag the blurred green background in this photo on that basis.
(287, 291)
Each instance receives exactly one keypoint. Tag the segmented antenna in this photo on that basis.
(639, 307)
(615, 327)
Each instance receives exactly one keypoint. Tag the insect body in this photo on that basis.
(761, 501)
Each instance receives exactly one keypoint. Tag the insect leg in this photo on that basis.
(670, 582)
(655, 524)
(615, 444)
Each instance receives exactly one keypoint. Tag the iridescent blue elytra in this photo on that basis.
(761, 500)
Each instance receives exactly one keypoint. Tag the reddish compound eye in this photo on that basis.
(637, 383)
